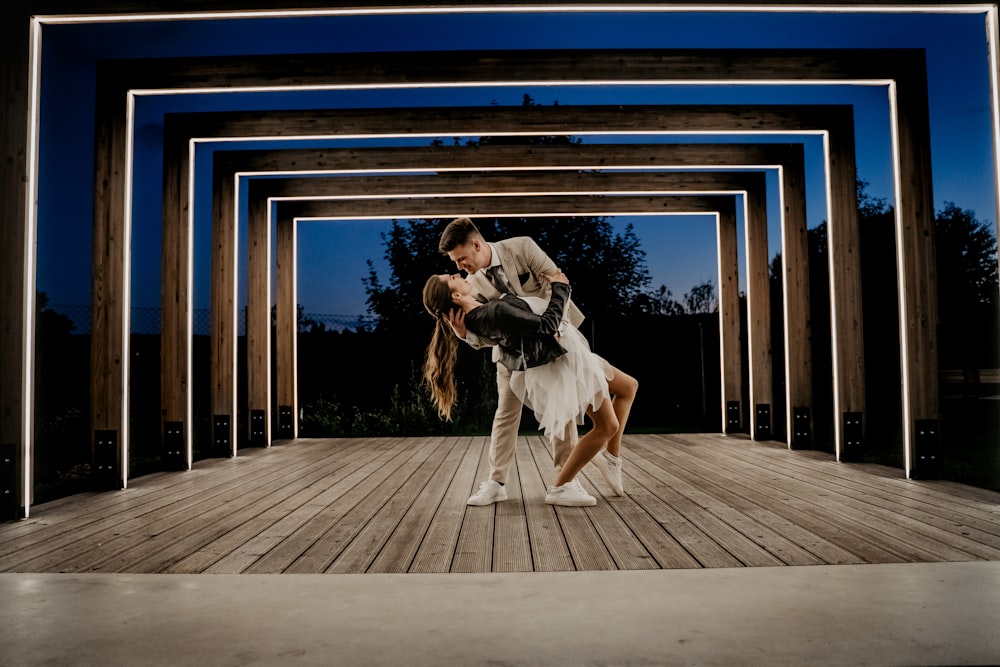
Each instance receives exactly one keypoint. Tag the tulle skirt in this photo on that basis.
(561, 391)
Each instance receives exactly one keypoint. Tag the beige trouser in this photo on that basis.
(503, 437)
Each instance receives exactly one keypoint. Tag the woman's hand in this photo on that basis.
(456, 318)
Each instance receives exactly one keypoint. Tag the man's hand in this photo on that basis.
(456, 318)
(557, 277)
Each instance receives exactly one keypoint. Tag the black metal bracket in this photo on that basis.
(762, 422)
(10, 508)
(733, 422)
(927, 460)
(174, 456)
(221, 436)
(853, 433)
(801, 433)
(258, 431)
(286, 422)
(107, 469)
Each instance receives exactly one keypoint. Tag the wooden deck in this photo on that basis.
(398, 505)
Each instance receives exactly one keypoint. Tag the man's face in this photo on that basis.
(471, 256)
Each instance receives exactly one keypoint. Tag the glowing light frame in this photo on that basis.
(989, 11)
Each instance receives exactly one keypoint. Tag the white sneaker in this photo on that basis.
(490, 491)
(610, 468)
(570, 494)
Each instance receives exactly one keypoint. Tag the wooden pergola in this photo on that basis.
(901, 71)
(457, 163)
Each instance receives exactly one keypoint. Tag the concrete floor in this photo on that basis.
(905, 614)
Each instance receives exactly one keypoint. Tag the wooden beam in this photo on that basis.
(482, 66)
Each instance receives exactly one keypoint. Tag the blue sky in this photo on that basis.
(680, 253)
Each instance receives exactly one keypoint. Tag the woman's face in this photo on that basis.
(456, 283)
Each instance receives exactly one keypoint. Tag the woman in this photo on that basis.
(552, 368)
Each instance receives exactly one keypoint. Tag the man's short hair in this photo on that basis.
(458, 232)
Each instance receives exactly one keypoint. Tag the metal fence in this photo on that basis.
(148, 321)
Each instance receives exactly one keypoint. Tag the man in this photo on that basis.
(512, 265)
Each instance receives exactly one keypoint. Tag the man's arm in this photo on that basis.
(536, 259)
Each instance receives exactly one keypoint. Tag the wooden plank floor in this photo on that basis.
(398, 505)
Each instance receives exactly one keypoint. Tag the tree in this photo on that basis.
(607, 269)
(967, 288)
(966, 257)
(701, 298)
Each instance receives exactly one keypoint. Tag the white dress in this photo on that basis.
(561, 391)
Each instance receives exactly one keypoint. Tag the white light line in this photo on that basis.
(488, 83)
(904, 314)
(833, 301)
(493, 133)
(722, 323)
(189, 317)
(235, 314)
(30, 222)
(485, 167)
(751, 366)
(520, 9)
(126, 305)
(295, 339)
(525, 193)
(784, 308)
(526, 214)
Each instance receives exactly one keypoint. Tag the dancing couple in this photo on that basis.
(517, 301)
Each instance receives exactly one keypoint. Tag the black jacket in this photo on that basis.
(525, 339)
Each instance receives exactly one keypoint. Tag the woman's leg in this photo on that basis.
(604, 428)
(623, 388)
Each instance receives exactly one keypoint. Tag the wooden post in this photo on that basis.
(758, 312)
(17, 274)
(109, 325)
(175, 304)
(729, 323)
(224, 317)
(286, 333)
(917, 276)
(845, 292)
(799, 411)
(259, 321)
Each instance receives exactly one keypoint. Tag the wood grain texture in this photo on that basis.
(398, 505)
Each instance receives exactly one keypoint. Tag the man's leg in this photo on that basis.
(503, 436)
(503, 439)
(562, 446)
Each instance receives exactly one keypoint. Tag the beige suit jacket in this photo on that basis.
(523, 262)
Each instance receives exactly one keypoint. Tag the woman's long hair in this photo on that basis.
(439, 362)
